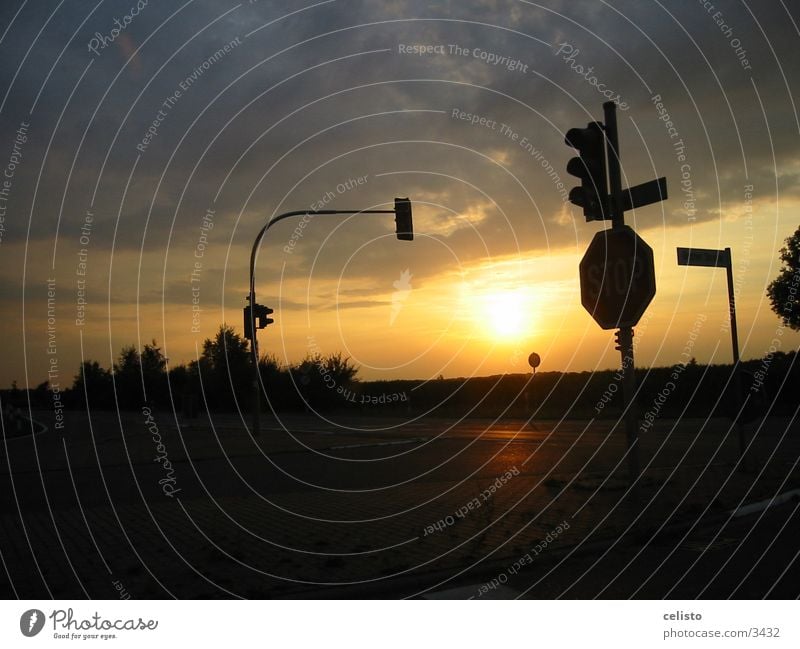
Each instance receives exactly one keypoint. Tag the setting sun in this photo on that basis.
(508, 313)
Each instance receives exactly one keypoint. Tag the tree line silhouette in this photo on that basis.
(221, 381)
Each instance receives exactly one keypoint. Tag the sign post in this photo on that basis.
(617, 285)
(716, 259)
(617, 272)
(722, 259)
(534, 360)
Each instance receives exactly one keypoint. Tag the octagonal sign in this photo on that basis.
(618, 279)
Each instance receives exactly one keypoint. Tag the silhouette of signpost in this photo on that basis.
(721, 259)
(534, 360)
(715, 259)
(617, 273)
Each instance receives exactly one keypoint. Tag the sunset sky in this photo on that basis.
(181, 133)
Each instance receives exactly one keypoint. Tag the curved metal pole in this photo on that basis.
(252, 296)
(286, 215)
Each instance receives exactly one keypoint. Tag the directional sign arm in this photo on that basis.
(647, 193)
(703, 257)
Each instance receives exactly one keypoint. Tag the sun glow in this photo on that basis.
(509, 313)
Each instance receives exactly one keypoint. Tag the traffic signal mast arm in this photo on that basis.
(286, 215)
(403, 219)
(404, 230)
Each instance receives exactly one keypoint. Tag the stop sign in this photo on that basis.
(618, 278)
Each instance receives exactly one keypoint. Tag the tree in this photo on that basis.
(41, 395)
(225, 369)
(94, 383)
(154, 373)
(342, 370)
(321, 381)
(153, 361)
(784, 291)
(279, 392)
(141, 377)
(127, 379)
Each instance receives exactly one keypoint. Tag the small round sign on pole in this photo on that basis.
(534, 360)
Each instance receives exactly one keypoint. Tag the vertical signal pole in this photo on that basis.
(614, 172)
(254, 349)
(624, 334)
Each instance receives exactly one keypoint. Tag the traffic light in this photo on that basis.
(262, 318)
(590, 167)
(402, 218)
(262, 313)
(248, 324)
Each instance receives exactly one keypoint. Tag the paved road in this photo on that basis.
(741, 557)
(380, 505)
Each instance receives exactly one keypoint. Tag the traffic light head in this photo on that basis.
(263, 313)
(248, 324)
(590, 167)
(260, 316)
(402, 218)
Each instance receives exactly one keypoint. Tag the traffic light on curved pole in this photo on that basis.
(263, 313)
(590, 167)
(259, 317)
(405, 232)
